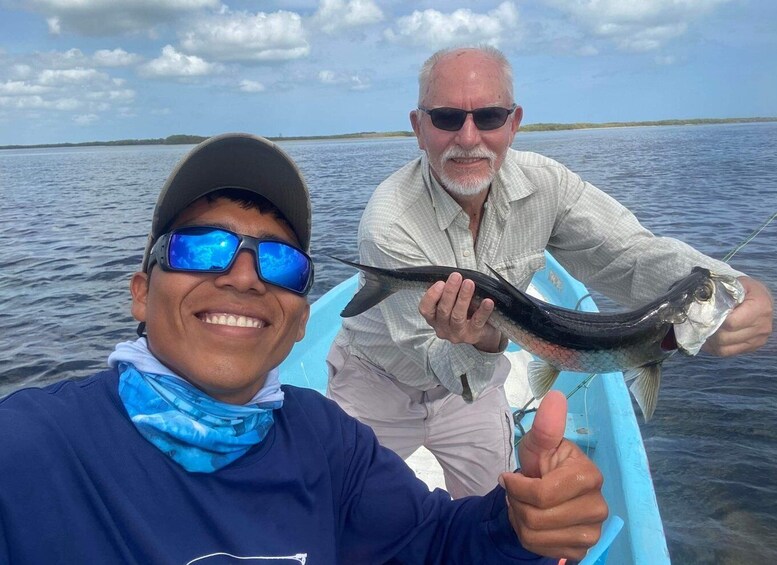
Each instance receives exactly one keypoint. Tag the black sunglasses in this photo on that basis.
(451, 119)
(208, 249)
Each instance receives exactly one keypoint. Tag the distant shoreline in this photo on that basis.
(194, 139)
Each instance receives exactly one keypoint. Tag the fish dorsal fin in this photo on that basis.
(521, 297)
(541, 377)
(501, 279)
(646, 379)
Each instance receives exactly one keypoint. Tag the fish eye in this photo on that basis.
(704, 293)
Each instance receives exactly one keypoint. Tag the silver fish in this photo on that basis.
(635, 342)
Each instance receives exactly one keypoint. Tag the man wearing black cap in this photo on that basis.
(188, 450)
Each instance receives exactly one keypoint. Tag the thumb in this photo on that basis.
(545, 435)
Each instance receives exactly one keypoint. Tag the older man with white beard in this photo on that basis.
(432, 374)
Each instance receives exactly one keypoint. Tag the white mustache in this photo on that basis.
(477, 153)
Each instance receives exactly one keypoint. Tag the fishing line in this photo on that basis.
(519, 413)
(587, 424)
(748, 239)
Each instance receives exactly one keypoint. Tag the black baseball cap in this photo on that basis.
(234, 160)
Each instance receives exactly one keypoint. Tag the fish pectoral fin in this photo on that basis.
(541, 377)
(646, 379)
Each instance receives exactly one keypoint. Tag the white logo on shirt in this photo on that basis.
(229, 559)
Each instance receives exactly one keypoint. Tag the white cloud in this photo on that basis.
(39, 102)
(21, 70)
(85, 119)
(335, 15)
(54, 26)
(251, 86)
(353, 82)
(59, 77)
(327, 77)
(114, 58)
(173, 64)
(109, 17)
(434, 29)
(649, 39)
(20, 88)
(241, 36)
(61, 59)
(87, 90)
(73, 58)
(66, 104)
(635, 26)
(119, 95)
(21, 102)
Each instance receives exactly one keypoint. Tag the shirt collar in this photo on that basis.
(445, 207)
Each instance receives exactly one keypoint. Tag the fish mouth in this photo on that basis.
(669, 343)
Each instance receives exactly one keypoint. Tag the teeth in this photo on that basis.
(232, 320)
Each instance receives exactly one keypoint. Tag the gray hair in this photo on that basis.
(425, 74)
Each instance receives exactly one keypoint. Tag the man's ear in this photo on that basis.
(139, 289)
(517, 117)
(303, 322)
(415, 121)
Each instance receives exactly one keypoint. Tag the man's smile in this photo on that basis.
(467, 160)
(228, 319)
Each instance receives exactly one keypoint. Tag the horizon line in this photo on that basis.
(191, 139)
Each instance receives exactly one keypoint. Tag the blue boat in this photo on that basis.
(601, 420)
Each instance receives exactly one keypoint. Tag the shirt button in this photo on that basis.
(466, 254)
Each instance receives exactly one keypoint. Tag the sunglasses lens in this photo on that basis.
(448, 119)
(283, 265)
(451, 119)
(197, 249)
(490, 118)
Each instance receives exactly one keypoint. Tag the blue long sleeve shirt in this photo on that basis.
(79, 484)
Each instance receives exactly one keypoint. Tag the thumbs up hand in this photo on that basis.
(555, 503)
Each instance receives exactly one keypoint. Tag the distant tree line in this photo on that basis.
(180, 139)
(689, 122)
(183, 139)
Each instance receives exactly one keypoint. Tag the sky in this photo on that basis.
(101, 70)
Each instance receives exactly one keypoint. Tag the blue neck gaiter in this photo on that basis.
(198, 432)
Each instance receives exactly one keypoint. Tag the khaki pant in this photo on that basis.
(472, 442)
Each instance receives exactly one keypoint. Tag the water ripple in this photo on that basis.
(712, 444)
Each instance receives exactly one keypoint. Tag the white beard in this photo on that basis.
(470, 185)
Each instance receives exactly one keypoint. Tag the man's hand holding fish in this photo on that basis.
(448, 308)
(749, 325)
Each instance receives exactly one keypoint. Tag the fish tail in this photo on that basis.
(541, 377)
(375, 290)
(647, 380)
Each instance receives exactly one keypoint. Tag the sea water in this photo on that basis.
(73, 224)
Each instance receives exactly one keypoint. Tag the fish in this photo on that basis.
(635, 342)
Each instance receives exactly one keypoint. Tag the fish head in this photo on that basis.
(707, 305)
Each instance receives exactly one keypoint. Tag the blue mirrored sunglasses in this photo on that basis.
(208, 249)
